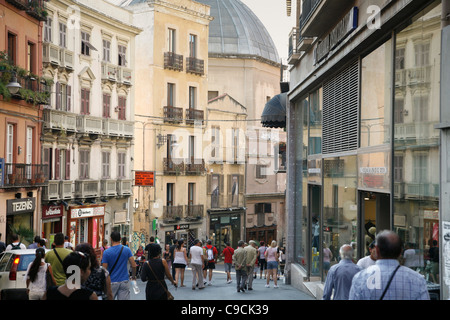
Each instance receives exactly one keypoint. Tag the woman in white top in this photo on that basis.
(272, 257)
(36, 276)
(180, 262)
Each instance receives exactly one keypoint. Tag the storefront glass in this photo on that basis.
(340, 214)
(416, 142)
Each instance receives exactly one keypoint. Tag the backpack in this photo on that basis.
(16, 246)
(210, 253)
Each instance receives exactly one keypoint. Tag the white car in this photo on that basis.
(13, 267)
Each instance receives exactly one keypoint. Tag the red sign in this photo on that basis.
(144, 178)
(52, 211)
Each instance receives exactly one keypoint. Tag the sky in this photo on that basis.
(272, 14)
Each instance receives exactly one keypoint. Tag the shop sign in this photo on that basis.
(87, 212)
(144, 178)
(17, 206)
(52, 211)
(181, 227)
(337, 35)
(373, 170)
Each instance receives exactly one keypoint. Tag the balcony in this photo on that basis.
(172, 213)
(173, 166)
(415, 130)
(421, 190)
(124, 187)
(118, 128)
(65, 189)
(66, 59)
(60, 120)
(173, 114)
(193, 211)
(109, 72)
(108, 188)
(195, 166)
(89, 125)
(86, 189)
(419, 75)
(19, 4)
(293, 54)
(319, 16)
(36, 9)
(24, 175)
(57, 190)
(124, 76)
(51, 54)
(173, 61)
(195, 66)
(194, 115)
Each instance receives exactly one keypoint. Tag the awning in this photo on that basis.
(274, 114)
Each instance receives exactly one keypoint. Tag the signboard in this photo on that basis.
(86, 212)
(181, 227)
(144, 178)
(18, 206)
(52, 211)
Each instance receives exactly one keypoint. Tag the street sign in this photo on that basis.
(144, 178)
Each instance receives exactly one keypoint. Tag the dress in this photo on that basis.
(156, 287)
(39, 285)
(179, 261)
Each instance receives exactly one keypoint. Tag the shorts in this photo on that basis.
(262, 264)
(179, 265)
(209, 265)
(227, 267)
(272, 265)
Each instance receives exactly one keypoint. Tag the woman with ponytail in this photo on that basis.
(36, 276)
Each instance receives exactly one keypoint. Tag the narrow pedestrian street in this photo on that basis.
(220, 290)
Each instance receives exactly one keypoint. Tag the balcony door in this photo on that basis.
(170, 195)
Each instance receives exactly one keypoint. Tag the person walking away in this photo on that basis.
(172, 255)
(35, 243)
(227, 253)
(340, 276)
(2, 244)
(153, 272)
(251, 255)
(166, 255)
(73, 290)
(115, 260)
(272, 258)
(99, 280)
(36, 276)
(211, 255)
(387, 279)
(262, 259)
(197, 260)
(67, 243)
(434, 261)
(56, 257)
(239, 261)
(180, 262)
(369, 260)
(15, 244)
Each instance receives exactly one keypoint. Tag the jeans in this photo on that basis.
(241, 276)
(121, 290)
(197, 269)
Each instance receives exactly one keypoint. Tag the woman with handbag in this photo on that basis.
(153, 272)
(39, 276)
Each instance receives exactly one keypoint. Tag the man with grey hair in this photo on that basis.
(252, 254)
(239, 261)
(340, 276)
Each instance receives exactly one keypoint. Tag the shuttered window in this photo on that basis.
(340, 111)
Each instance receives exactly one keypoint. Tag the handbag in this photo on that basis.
(49, 279)
(169, 295)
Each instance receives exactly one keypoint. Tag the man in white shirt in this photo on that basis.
(197, 260)
(369, 260)
(16, 244)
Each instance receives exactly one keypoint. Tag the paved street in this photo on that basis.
(220, 290)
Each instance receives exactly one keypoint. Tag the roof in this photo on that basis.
(236, 30)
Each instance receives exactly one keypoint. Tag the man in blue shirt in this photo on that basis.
(115, 260)
(340, 275)
(406, 283)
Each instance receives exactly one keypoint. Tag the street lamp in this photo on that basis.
(13, 86)
(136, 204)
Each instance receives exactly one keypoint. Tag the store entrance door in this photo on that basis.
(315, 209)
(375, 216)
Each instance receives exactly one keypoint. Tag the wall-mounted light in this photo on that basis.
(13, 86)
(136, 204)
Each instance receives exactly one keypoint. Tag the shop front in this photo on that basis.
(19, 215)
(86, 224)
(52, 217)
(225, 227)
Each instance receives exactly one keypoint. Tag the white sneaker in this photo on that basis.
(229, 281)
(267, 286)
(275, 286)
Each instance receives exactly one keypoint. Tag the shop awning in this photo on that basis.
(274, 114)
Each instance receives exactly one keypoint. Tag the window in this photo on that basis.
(12, 48)
(191, 194)
(192, 46)
(420, 163)
(171, 94)
(172, 40)
(106, 105)
(422, 54)
(47, 155)
(234, 190)
(31, 57)
(86, 46)
(62, 164)
(106, 171)
(29, 151)
(122, 56)
(121, 160)
(62, 35)
(122, 108)
(260, 210)
(398, 168)
(235, 145)
(10, 142)
(215, 142)
(63, 96)
(48, 30)
(261, 171)
(192, 97)
(212, 94)
(84, 164)
(191, 148)
(170, 194)
(85, 99)
(106, 51)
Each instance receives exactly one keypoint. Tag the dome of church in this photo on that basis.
(236, 30)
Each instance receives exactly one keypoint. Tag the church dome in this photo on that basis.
(236, 30)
